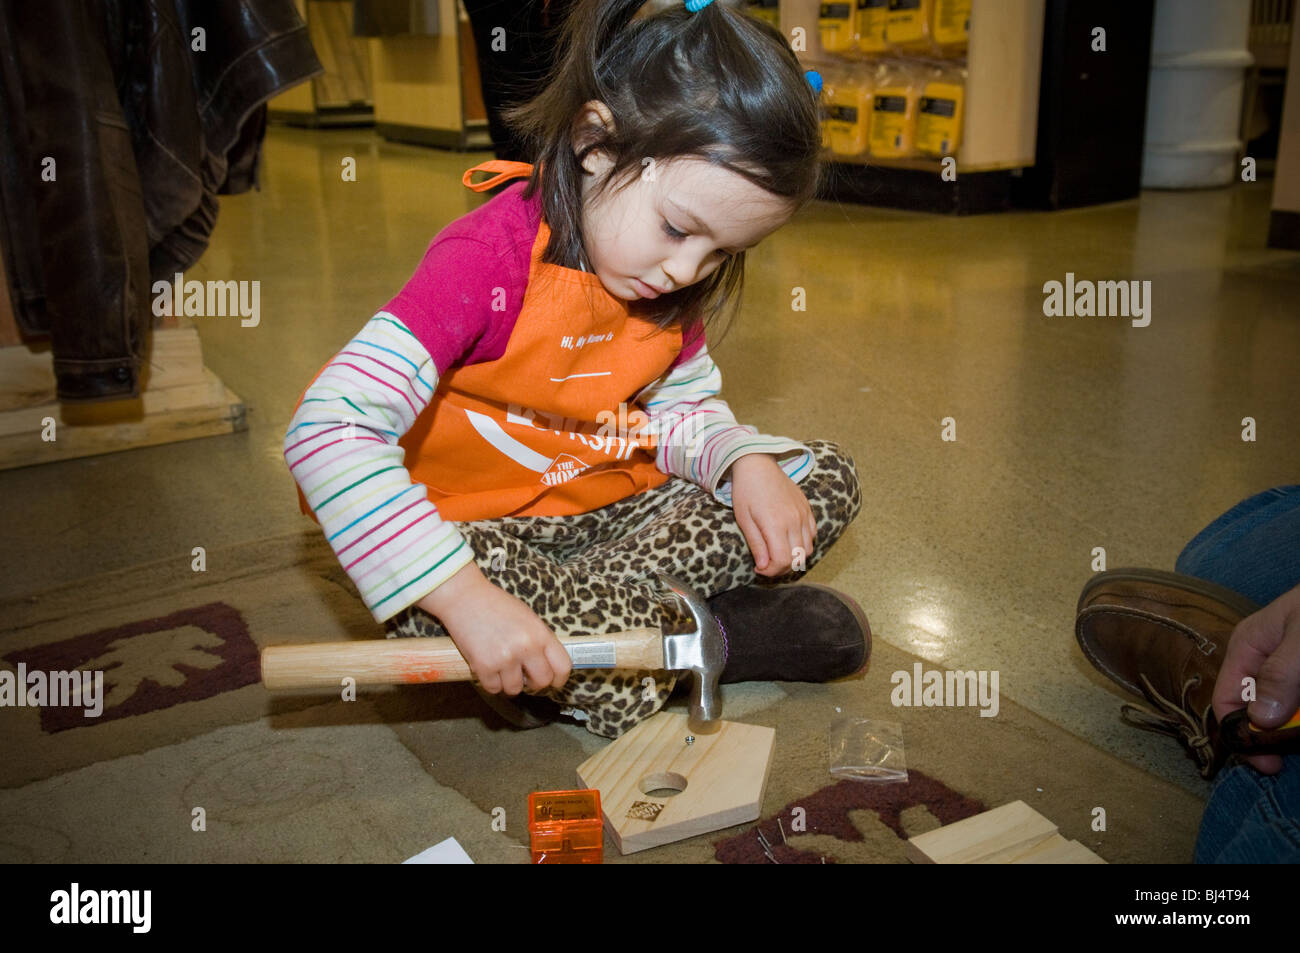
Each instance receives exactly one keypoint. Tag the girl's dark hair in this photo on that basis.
(718, 84)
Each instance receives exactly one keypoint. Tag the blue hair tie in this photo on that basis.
(814, 77)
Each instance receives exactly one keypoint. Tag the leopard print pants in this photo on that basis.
(593, 573)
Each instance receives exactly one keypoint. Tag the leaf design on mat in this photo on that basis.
(829, 811)
(153, 657)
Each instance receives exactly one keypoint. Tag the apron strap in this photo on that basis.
(506, 169)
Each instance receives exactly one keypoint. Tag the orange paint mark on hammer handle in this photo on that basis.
(414, 669)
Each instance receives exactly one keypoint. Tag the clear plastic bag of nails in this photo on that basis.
(866, 750)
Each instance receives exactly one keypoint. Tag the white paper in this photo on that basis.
(446, 852)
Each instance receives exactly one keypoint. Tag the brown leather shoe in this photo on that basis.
(1162, 635)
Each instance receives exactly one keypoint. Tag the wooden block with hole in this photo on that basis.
(656, 789)
(994, 837)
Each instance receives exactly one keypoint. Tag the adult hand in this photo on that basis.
(1266, 647)
(772, 512)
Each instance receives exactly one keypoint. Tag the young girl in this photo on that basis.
(531, 430)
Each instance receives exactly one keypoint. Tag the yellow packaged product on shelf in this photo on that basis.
(908, 24)
(951, 26)
(940, 114)
(829, 83)
(835, 25)
(849, 113)
(893, 113)
(872, 17)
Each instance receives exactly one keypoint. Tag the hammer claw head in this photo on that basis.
(701, 651)
(706, 706)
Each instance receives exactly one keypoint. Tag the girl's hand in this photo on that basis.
(508, 647)
(772, 512)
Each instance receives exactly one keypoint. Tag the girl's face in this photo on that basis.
(674, 225)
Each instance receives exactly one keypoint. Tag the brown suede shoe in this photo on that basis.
(1162, 635)
(804, 632)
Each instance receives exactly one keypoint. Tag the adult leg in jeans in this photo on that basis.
(1253, 549)
(1252, 818)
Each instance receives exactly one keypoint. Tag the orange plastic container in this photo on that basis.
(565, 827)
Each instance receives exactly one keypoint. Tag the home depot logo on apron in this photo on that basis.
(527, 434)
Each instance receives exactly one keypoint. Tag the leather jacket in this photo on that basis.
(118, 134)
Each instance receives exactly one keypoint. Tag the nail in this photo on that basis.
(1266, 709)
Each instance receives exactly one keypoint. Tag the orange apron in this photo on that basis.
(549, 428)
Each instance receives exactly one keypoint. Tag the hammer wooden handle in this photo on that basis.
(413, 660)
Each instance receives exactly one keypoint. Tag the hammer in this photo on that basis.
(702, 652)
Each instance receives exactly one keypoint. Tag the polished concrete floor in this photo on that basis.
(1071, 432)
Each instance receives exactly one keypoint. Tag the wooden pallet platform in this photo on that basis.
(180, 400)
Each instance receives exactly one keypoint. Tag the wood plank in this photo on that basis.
(159, 417)
(725, 775)
(27, 371)
(1004, 63)
(209, 391)
(1057, 850)
(26, 377)
(992, 837)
